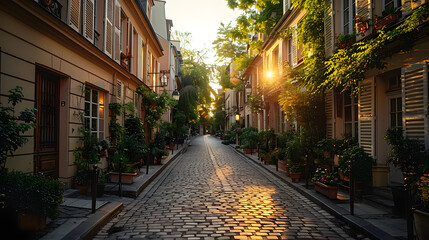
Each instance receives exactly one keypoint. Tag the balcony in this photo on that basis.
(52, 6)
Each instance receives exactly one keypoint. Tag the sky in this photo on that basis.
(202, 19)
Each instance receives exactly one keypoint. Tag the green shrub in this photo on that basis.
(31, 194)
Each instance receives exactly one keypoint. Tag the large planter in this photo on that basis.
(387, 20)
(399, 199)
(295, 177)
(83, 188)
(379, 176)
(329, 191)
(29, 222)
(247, 150)
(421, 221)
(126, 178)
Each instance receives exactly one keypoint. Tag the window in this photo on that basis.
(395, 82)
(391, 4)
(94, 112)
(351, 125)
(395, 110)
(349, 12)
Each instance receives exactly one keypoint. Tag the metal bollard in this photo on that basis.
(120, 177)
(94, 187)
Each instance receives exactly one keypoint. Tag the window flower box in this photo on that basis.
(387, 20)
(329, 191)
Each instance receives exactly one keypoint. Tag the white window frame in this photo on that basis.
(351, 18)
(398, 99)
(98, 130)
(354, 115)
(395, 3)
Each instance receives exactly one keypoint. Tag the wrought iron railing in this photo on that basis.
(52, 6)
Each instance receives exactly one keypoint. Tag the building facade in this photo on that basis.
(73, 58)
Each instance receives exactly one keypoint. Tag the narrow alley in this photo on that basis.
(211, 191)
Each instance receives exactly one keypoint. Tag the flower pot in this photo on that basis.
(247, 150)
(100, 189)
(387, 20)
(83, 188)
(30, 222)
(171, 146)
(399, 195)
(295, 177)
(126, 178)
(421, 221)
(329, 191)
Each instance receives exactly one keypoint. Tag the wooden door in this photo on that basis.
(46, 142)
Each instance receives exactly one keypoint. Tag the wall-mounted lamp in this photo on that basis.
(163, 79)
(237, 117)
(175, 94)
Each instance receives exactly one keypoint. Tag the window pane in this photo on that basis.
(399, 105)
(392, 105)
(393, 120)
(94, 96)
(348, 128)
(399, 120)
(86, 123)
(101, 135)
(356, 116)
(101, 98)
(93, 124)
(101, 112)
(94, 110)
(87, 109)
(348, 114)
(101, 126)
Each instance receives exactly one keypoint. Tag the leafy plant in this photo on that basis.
(249, 137)
(345, 37)
(104, 144)
(407, 154)
(121, 164)
(31, 194)
(323, 176)
(12, 126)
(356, 157)
(423, 186)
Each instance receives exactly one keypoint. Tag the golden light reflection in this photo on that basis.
(269, 74)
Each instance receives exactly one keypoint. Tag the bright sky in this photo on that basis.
(201, 18)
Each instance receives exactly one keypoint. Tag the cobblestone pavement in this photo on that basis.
(210, 192)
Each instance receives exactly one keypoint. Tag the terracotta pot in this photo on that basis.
(126, 178)
(387, 20)
(83, 188)
(247, 150)
(29, 222)
(288, 169)
(295, 177)
(329, 191)
(421, 221)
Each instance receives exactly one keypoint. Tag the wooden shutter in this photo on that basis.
(415, 102)
(119, 90)
(364, 10)
(88, 20)
(366, 116)
(139, 61)
(294, 47)
(329, 113)
(74, 14)
(117, 34)
(108, 28)
(329, 28)
(417, 3)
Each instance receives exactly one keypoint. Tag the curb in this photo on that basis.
(89, 228)
(355, 222)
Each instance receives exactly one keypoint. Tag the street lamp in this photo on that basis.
(175, 94)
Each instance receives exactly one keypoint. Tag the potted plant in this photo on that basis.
(362, 25)
(32, 198)
(407, 155)
(421, 213)
(356, 157)
(101, 183)
(249, 139)
(326, 183)
(389, 16)
(121, 164)
(104, 145)
(346, 40)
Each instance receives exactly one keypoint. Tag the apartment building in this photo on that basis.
(395, 96)
(73, 58)
(268, 71)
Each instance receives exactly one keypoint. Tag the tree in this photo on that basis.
(228, 47)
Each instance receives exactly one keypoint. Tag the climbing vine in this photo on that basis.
(347, 67)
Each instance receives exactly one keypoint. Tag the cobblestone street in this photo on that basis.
(212, 192)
